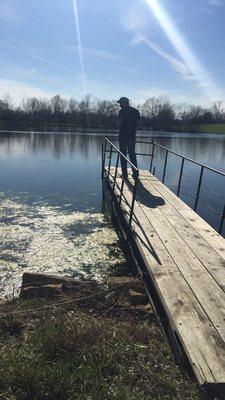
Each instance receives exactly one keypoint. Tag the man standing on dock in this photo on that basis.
(127, 124)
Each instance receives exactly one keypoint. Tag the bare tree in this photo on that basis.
(158, 113)
(107, 113)
(59, 106)
(85, 107)
(63, 114)
(218, 111)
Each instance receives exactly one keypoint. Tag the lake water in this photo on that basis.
(50, 200)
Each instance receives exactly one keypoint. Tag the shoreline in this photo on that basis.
(98, 342)
(114, 132)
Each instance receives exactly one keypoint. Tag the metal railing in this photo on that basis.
(198, 182)
(109, 148)
(112, 149)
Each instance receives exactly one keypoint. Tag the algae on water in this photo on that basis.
(49, 239)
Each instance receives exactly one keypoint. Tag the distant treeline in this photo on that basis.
(60, 114)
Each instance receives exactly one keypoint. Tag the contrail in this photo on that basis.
(80, 50)
(29, 53)
(190, 61)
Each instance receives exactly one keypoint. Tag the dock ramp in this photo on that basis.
(185, 260)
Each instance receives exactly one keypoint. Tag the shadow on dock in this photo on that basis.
(145, 197)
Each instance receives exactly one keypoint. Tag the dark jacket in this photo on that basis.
(129, 117)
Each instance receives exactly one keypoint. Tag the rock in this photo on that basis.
(69, 285)
(144, 309)
(47, 286)
(137, 298)
(126, 282)
(46, 291)
(35, 280)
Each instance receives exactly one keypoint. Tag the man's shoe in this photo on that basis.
(135, 175)
(124, 176)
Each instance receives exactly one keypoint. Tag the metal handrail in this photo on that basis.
(134, 168)
(200, 183)
(190, 159)
(175, 153)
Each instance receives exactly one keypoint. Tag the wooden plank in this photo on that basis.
(206, 231)
(207, 291)
(213, 238)
(157, 189)
(204, 251)
(186, 314)
(178, 300)
(211, 260)
(165, 193)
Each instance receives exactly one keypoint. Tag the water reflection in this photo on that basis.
(56, 144)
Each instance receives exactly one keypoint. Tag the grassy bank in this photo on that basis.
(212, 128)
(88, 350)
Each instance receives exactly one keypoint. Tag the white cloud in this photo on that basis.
(174, 95)
(17, 90)
(136, 17)
(144, 93)
(30, 75)
(93, 86)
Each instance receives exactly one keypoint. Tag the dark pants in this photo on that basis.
(127, 145)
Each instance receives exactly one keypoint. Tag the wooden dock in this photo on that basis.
(185, 260)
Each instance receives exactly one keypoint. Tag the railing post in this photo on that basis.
(121, 191)
(103, 158)
(133, 201)
(153, 153)
(180, 177)
(115, 175)
(164, 169)
(110, 160)
(199, 187)
(222, 220)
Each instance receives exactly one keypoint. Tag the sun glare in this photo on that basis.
(193, 66)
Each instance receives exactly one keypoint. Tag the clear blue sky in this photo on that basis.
(133, 48)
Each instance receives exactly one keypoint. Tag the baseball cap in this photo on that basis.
(123, 100)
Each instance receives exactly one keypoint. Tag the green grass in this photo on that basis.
(66, 353)
(212, 128)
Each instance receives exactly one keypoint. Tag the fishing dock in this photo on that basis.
(181, 259)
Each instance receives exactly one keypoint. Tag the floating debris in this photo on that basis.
(49, 239)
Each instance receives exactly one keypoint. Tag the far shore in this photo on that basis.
(212, 129)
